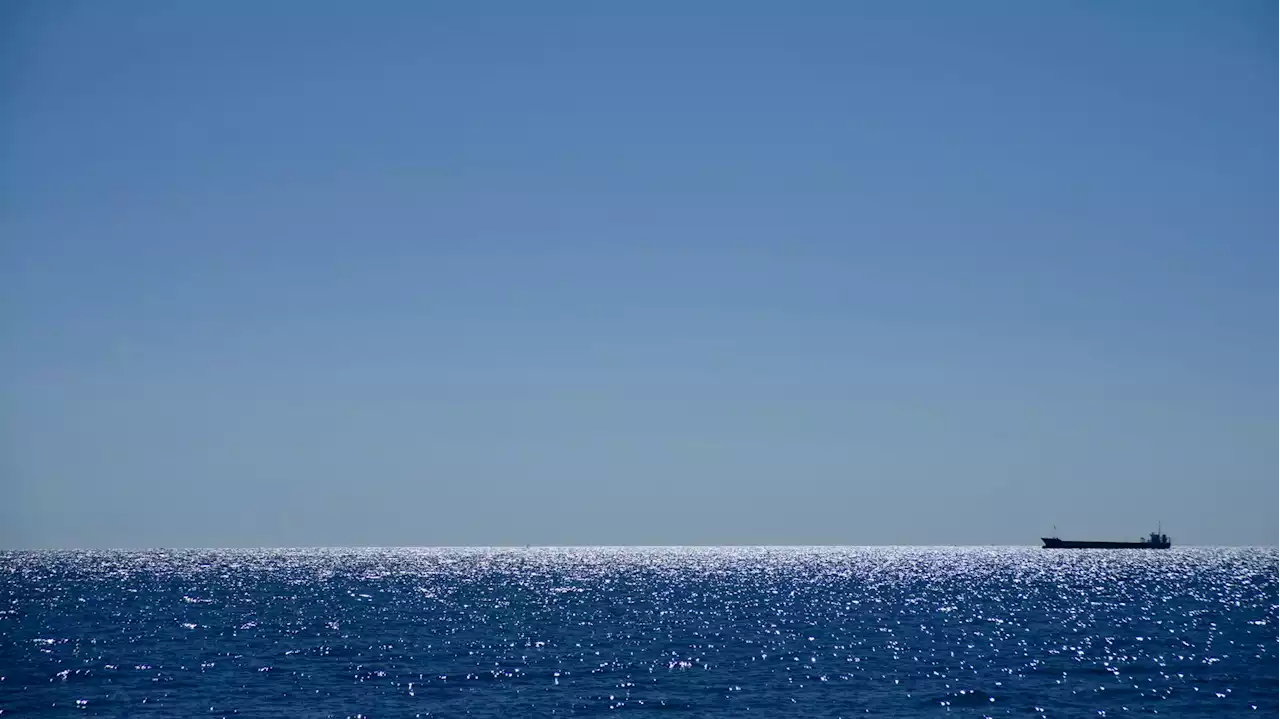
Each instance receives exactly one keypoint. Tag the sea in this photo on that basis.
(669, 632)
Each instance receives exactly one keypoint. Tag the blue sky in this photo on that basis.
(853, 273)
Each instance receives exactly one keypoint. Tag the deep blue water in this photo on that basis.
(753, 632)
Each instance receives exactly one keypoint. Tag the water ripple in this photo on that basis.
(761, 631)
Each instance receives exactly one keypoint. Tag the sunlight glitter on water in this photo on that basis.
(769, 631)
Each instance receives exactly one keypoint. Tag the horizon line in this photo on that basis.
(573, 546)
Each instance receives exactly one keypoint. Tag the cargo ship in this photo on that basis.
(1156, 540)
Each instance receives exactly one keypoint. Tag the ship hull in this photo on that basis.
(1055, 543)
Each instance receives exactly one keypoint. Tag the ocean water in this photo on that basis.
(673, 632)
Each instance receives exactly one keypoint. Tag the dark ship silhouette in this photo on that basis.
(1156, 540)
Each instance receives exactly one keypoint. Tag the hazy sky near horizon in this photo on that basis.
(411, 273)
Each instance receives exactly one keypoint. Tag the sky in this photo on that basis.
(499, 273)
